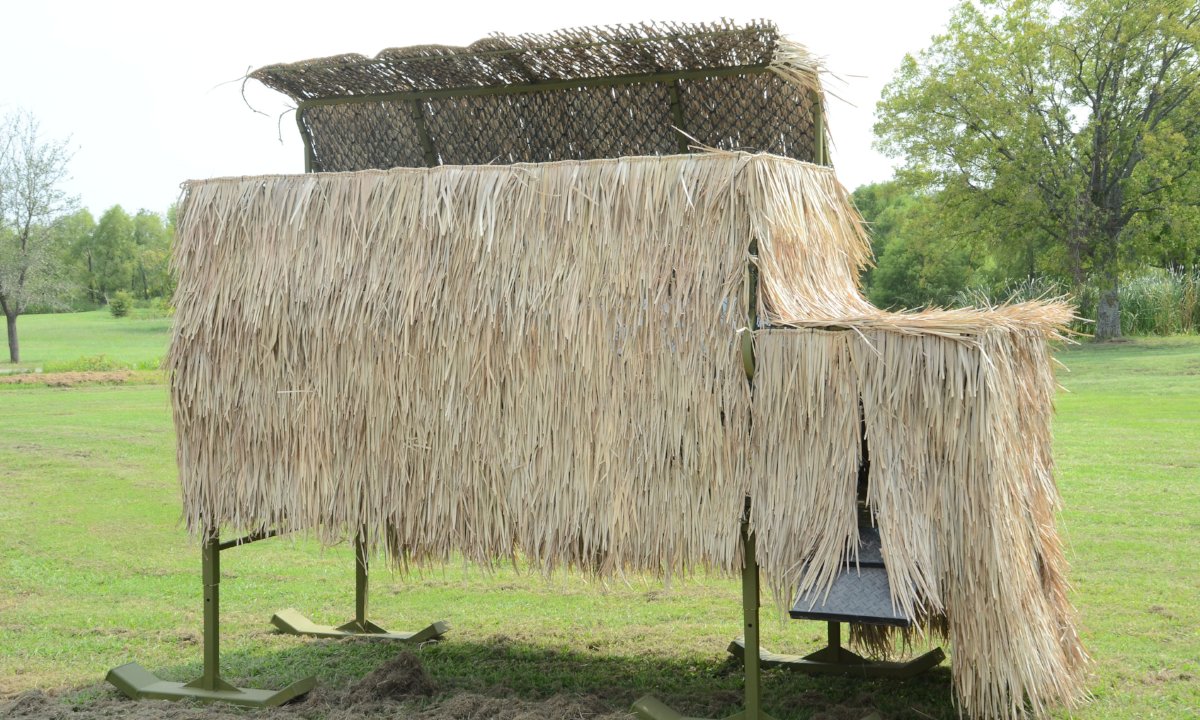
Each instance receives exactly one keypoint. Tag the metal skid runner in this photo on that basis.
(137, 682)
(291, 621)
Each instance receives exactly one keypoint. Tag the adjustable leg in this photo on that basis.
(291, 621)
(137, 682)
(650, 708)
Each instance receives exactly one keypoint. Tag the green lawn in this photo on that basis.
(95, 570)
(135, 341)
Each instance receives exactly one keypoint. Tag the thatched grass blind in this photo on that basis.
(544, 359)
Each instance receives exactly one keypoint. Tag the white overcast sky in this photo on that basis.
(150, 96)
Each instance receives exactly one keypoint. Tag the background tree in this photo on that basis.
(113, 253)
(1056, 131)
(919, 262)
(152, 251)
(32, 170)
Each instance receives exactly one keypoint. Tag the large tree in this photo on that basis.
(1055, 127)
(32, 170)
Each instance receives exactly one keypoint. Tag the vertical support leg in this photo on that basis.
(210, 573)
(750, 602)
(361, 581)
(834, 635)
(211, 570)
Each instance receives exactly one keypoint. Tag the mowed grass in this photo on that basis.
(135, 341)
(95, 571)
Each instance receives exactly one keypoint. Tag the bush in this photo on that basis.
(1160, 302)
(1153, 301)
(120, 303)
(89, 363)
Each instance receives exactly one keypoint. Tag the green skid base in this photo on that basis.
(839, 661)
(139, 683)
(291, 621)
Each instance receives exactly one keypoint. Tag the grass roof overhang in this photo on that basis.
(578, 94)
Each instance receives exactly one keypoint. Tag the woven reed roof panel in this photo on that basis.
(570, 54)
(582, 93)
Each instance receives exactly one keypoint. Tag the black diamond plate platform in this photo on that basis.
(860, 594)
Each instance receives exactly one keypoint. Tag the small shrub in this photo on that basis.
(88, 363)
(120, 303)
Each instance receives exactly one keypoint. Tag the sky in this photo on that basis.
(151, 94)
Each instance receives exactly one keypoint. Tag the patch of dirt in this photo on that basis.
(68, 379)
(401, 687)
(400, 678)
(469, 706)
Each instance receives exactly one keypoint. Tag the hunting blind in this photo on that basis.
(592, 298)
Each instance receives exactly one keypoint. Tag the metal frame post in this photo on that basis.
(361, 581)
(210, 571)
(651, 708)
(750, 603)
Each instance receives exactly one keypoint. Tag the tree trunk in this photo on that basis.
(14, 347)
(1108, 310)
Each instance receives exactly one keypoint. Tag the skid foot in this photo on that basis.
(291, 621)
(840, 661)
(139, 683)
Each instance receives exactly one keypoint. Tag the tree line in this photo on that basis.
(117, 253)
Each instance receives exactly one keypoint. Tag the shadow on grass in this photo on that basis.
(523, 679)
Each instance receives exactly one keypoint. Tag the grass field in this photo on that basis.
(95, 570)
(135, 341)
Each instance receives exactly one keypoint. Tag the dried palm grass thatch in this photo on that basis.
(960, 488)
(543, 359)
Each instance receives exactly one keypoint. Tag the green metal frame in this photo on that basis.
(293, 622)
(833, 659)
(139, 683)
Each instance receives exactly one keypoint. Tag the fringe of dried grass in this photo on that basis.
(485, 360)
(543, 359)
(961, 488)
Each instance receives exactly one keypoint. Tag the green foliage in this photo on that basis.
(1161, 302)
(125, 253)
(152, 255)
(1064, 135)
(1153, 301)
(32, 171)
(120, 303)
(110, 251)
(87, 363)
(916, 265)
